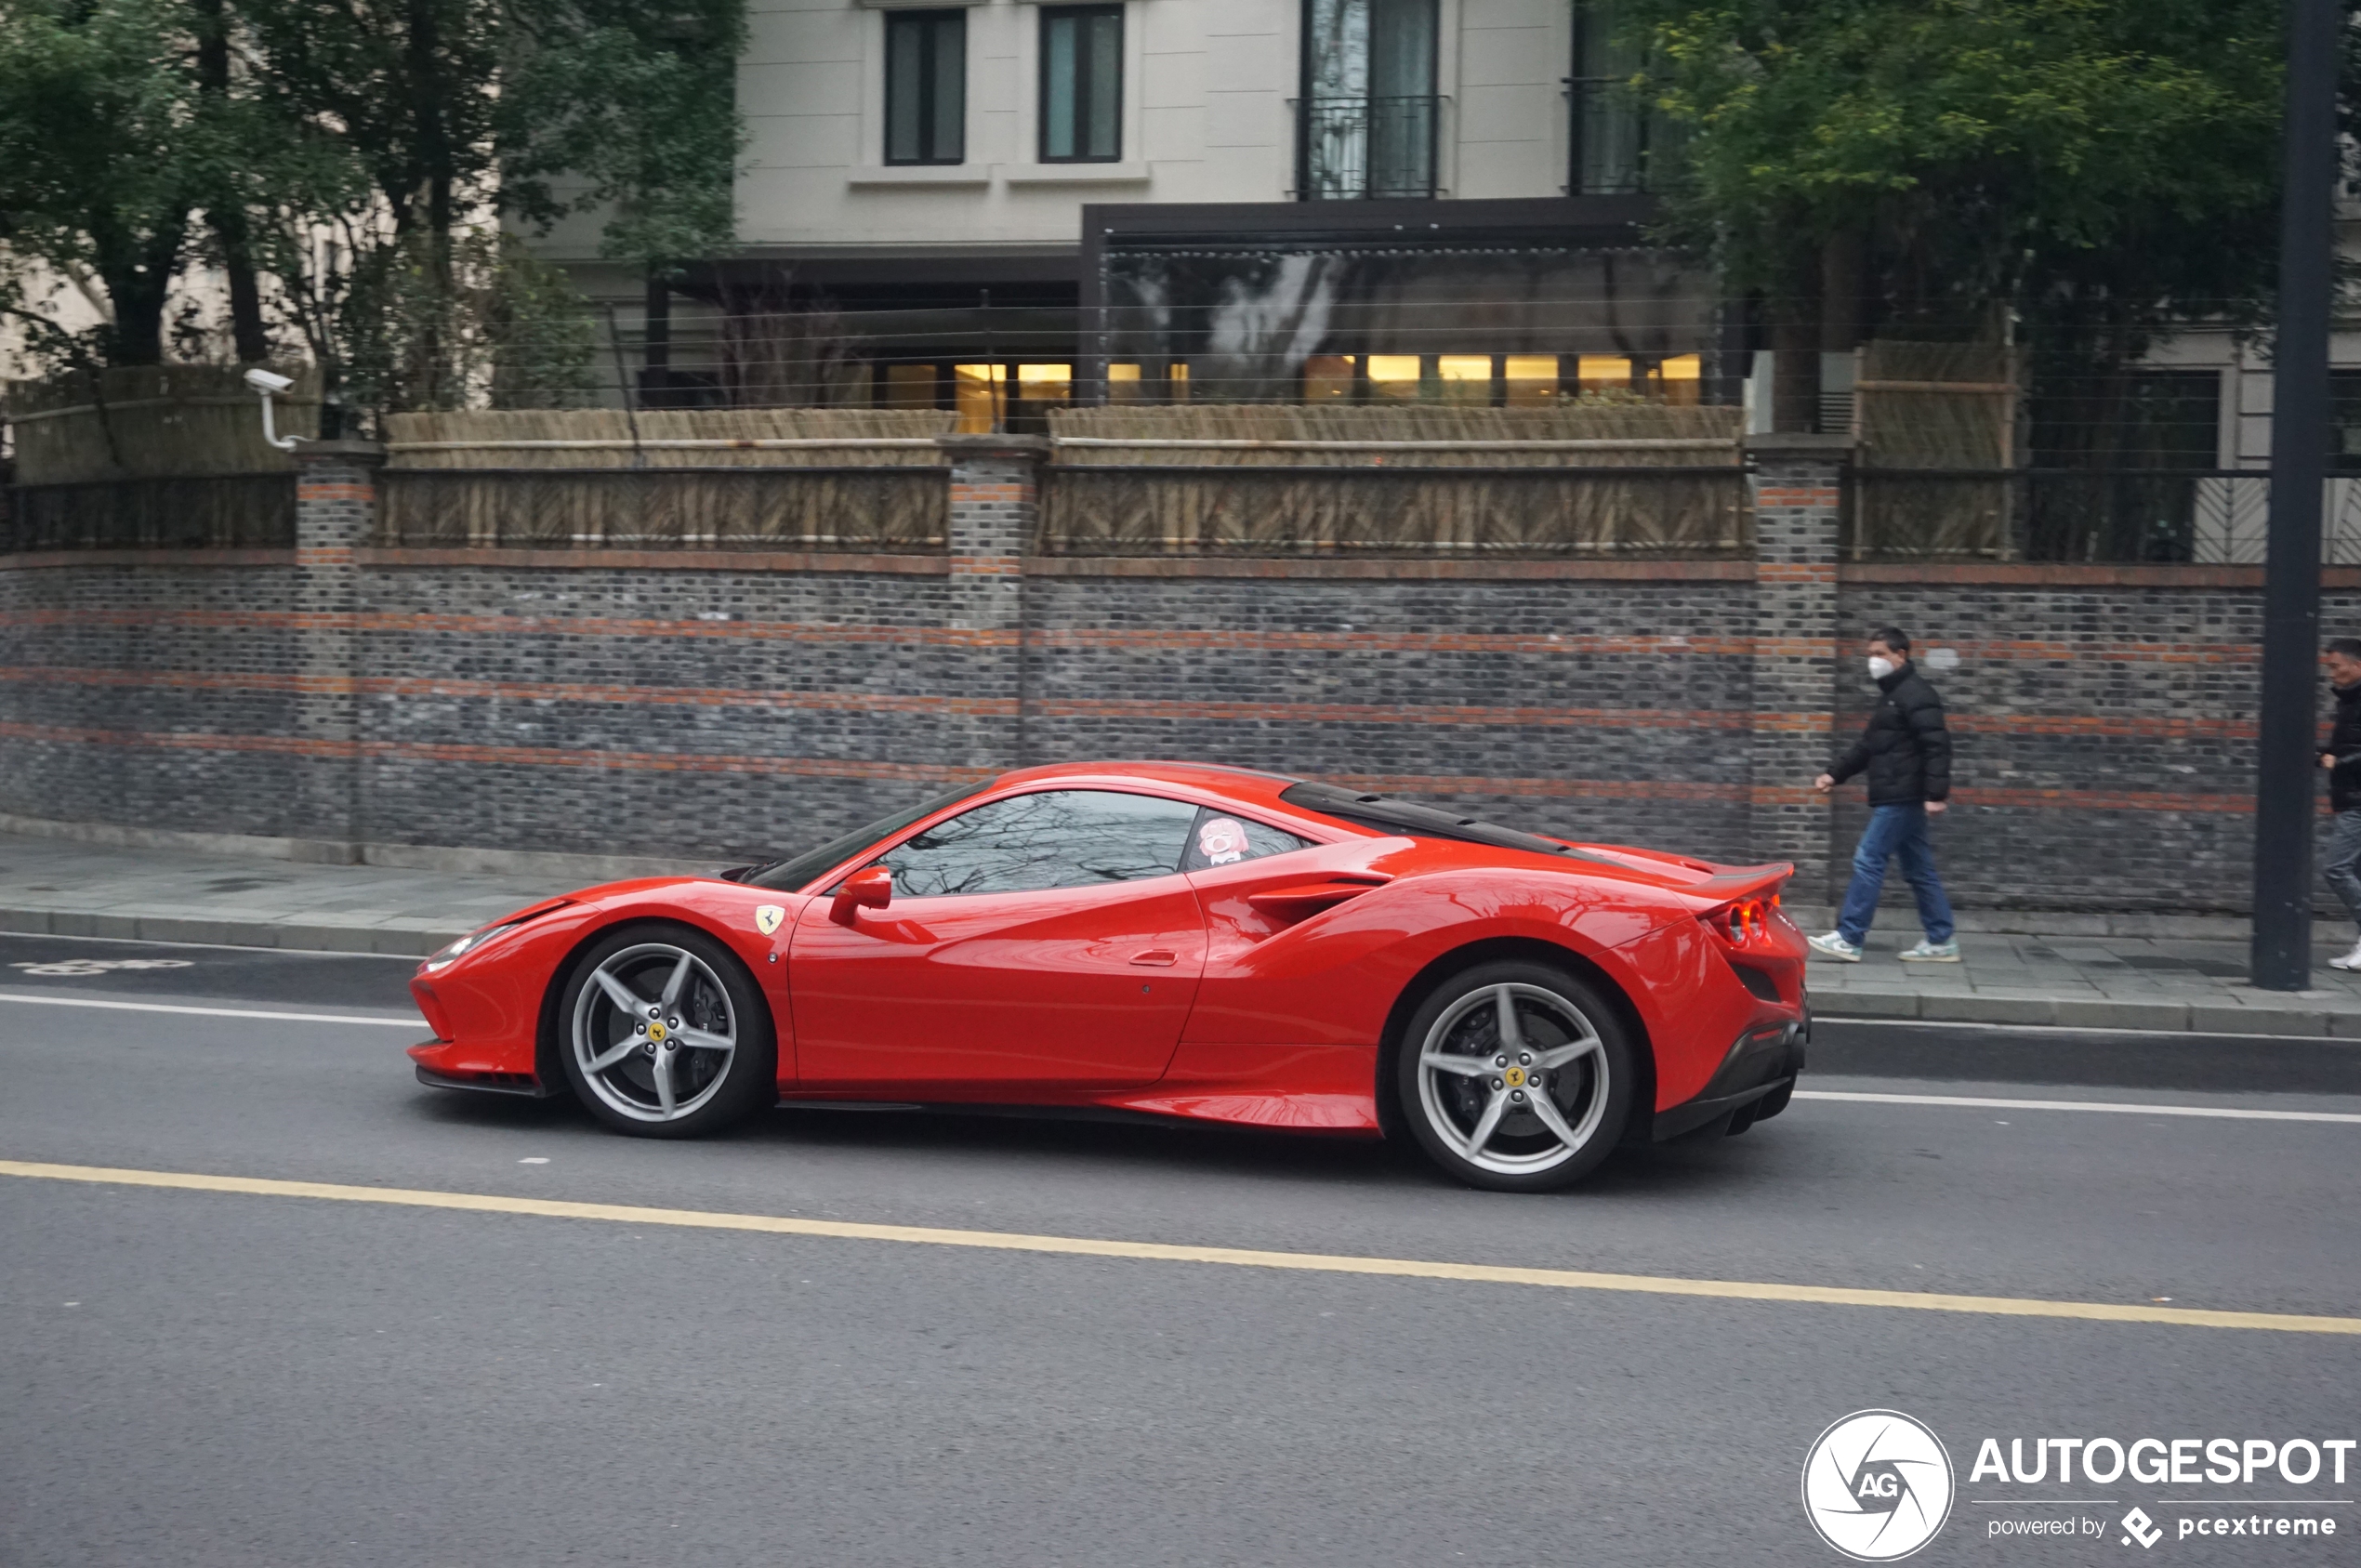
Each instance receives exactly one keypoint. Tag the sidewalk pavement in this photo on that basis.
(178, 895)
(2094, 982)
(2090, 982)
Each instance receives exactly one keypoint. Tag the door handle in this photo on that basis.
(1161, 957)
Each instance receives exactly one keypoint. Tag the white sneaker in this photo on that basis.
(1930, 952)
(2350, 961)
(1833, 945)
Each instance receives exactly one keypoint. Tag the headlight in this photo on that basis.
(467, 944)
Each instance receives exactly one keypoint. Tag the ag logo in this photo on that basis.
(767, 918)
(1877, 1486)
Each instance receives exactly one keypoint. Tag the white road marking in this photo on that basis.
(1866, 1020)
(245, 947)
(378, 1019)
(1974, 1103)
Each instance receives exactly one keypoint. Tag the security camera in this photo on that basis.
(270, 385)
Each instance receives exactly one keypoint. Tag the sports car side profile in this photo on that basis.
(1167, 939)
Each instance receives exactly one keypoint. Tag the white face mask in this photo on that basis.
(1881, 668)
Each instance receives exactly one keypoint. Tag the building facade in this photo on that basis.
(1004, 205)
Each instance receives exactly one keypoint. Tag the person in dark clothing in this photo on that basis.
(2342, 762)
(1907, 753)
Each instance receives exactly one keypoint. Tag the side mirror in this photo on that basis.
(871, 888)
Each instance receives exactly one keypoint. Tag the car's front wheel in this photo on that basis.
(665, 1033)
(1515, 1077)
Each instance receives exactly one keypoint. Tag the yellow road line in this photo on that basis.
(1163, 1252)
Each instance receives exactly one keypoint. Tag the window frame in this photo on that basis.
(929, 24)
(1082, 79)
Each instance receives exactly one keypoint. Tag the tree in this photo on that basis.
(422, 119)
(349, 165)
(94, 163)
(2099, 168)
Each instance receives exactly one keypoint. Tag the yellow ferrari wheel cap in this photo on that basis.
(1515, 1075)
(767, 918)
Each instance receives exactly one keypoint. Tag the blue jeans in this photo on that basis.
(1894, 832)
(2341, 865)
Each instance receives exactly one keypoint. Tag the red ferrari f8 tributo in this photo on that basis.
(1171, 938)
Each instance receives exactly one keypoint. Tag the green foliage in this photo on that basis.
(98, 146)
(628, 107)
(484, 322)
(2107, 163)
(538, 334)
(355, 158)
(423, 116)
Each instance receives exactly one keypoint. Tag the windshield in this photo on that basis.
(791, 875)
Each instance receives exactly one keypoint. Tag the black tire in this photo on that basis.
(1518, 1151)
(715, 998)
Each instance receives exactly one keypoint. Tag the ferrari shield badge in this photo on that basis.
(767, 918)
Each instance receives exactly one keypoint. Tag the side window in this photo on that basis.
(1217, 838)
(1058, 838)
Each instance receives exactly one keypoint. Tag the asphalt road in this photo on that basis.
(208, 1377)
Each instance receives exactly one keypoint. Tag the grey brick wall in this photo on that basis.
(605, 703)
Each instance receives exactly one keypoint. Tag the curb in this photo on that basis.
(383, 941)
(2075, 1012)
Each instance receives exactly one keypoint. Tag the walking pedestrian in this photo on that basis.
(2342, 762)
(1906, 752)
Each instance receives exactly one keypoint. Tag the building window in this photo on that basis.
(1618, 144)
(1368, 112)
(1082, 84)
(925, 87)
(2344, 446)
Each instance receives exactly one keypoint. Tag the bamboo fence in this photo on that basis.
(710, 479)
(151, 421)
(1423, 478)
(1950, 408)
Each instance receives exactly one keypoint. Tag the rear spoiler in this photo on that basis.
(1737, 882)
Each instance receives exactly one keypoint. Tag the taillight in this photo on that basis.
(1744, 923)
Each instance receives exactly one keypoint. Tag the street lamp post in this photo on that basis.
(2285, 782)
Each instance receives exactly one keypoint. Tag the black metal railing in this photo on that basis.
(1372, 148)
(205, 511)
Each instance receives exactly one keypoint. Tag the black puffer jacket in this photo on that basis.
(2344, 744)
(1905, 746)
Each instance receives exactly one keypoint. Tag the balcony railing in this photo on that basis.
(1366, 148)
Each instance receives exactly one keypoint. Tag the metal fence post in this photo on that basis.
(2284, 785)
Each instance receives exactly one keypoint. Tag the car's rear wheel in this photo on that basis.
(665, 1034)
(1515, 1077)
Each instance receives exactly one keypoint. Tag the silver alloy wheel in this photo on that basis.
(653, 1033)
(1513, 1079)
